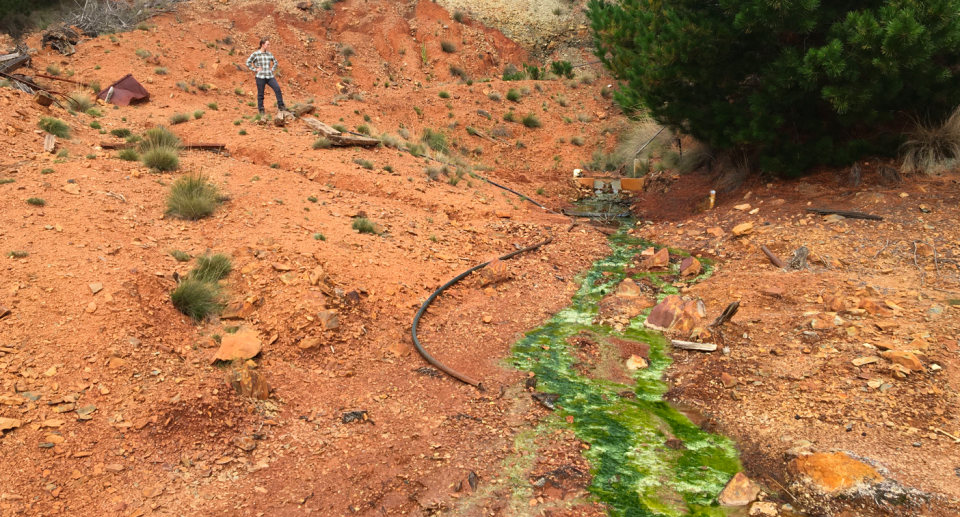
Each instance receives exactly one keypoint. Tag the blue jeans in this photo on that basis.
(276, 91)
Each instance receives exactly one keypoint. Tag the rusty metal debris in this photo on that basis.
(63, 38)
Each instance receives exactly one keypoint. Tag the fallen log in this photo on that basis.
(845, 213)
(690, 345)
(727, 314)
(306, 109)
(320, 127)
(49, 143)
(195, 146)
(775, 260)
(342, 140)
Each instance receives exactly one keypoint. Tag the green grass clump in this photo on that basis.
(53, 69)
(312, 199)
(577, 141)
(434, 139)
(238, 91)
(340, 127)
(366, 164)
(79, 101)
(494, 96)
(94, 86)
(162, 159)
(35, 201)
(4, 181)
(364, 225)
(242, 132)
(18, 254)
(448, 46)
(121, 133)
(322, 143)
(444, 95)
(129, 155)
(160, 70)
(95, 125)
(198, 114)
(192, 197)
(159, 137)
(509, 117)
(213, 106)
(181, 256)
(212, 268)
(363, 129)
(531, 121)
(47, 171)
(179, 118)
(513, 95)
(319, 237)
(55, 127)
(416, 150)
(141, 53)
(196, 299)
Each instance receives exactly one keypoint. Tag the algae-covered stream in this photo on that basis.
(636, 471)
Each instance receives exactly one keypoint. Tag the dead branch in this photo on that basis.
(727, 314)
(845, 213)
(773, 258)
(881, 251)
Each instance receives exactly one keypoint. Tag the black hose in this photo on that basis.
(508, 189)
(423, 308)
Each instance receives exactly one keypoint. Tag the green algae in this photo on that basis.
(634, 470)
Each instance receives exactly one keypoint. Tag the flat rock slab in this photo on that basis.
(245, 344)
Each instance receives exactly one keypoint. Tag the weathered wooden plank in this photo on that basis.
(322, 128)
(49, 143)
(344, 140)
(690, 345)
(199, 146)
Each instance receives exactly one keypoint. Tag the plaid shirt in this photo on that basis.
(264, 60)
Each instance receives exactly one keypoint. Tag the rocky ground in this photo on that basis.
(111, 402)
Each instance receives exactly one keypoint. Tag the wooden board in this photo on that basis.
(320, 127)
(49, 143)
(344, 140)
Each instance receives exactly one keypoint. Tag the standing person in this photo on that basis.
(264, 64)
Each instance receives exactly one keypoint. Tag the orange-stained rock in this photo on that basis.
(659, 259)
(245, 344)
(628, 289)
(690, 267)
(833, 472)
(248, 382)
(833, 303)
(740, 491)
(675, 313)
(909, 360)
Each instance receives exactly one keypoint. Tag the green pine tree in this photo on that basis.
(792, 83)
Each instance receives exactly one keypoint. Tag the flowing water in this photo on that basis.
(647, 458)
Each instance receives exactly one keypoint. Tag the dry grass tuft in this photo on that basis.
(932, 149)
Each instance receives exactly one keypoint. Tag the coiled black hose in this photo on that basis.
(423, 308)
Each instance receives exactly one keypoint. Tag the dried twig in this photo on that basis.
(920, 269)
(882, 250)
(118, 196)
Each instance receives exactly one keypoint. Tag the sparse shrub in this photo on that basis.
(55, 127)
(179, 118)
(366, 164)
(444, 95)
(242, 132)
(180, 256)
(192, 197)
(388, 168)
(456, 71)
(47, 171)
(388, 140)
(159, 137)
(322, 143)
(584, 117)
(448, 47)
(212, 268)
(509, 116)
(561, 100)
(364, 225)
(512, 73)
(35, 201)
(531, 121)
(340, 127)
(501, 131)
(513, 95)
(197, 115)
(472, 131)
(162, 159)
(18, 254)
(932, 148)
(142, 53)
(95, 125)
(94, 112)
(416, 150)
(312, 199)
(183, 86)
(562, 69)
(577, 141)
(94, 86)
(435, 140)
(459, 15)
(129, 155)
(238, 90)
(161, 70)
(79, 101)
(319, 237)
(494, 96)
(53, 69)
(363, 129)
(5, 181)
(121, 133)
(213, 106)
(196, 299)
(347, 51)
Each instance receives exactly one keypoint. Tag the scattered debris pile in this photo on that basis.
(63, 38)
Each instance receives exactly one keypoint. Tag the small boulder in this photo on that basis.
(742, 229)
(834, 472)
(908, 360)
(244, 344)
(659, 259)
(628, 289)
(635, 362)
(740, 491)
(675, 313)
(248, 382)
(690, 267)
